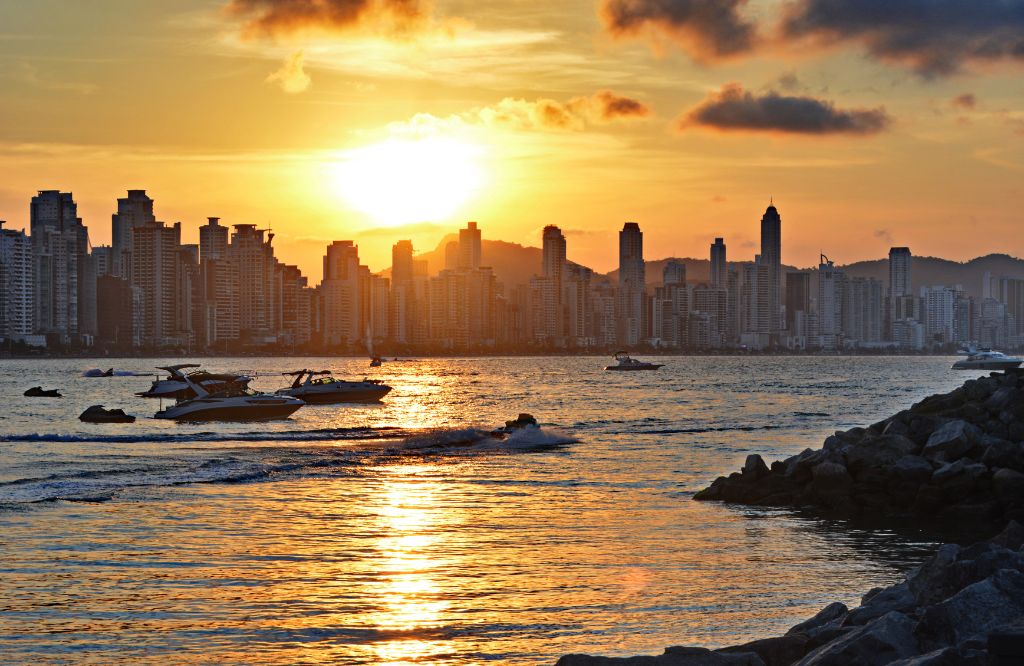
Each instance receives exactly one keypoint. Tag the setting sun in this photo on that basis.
(400, 181)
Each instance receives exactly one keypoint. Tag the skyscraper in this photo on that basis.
(830, 301)
(554, 273)
(798, 302)
(632, 284)
(718, 264)
(403, 292)
(341, 294)
(133, 211)
(902, 303)
(155, 270)
(59, 243)
(771, 256)
(213, 240)
(469, 246)
(15, 283)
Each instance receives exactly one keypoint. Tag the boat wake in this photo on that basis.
(97, 480)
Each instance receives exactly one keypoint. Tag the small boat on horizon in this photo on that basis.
(234, 403)
(626, 363)
(987, 359)
(319, 387)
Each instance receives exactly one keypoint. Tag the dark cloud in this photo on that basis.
(706, 29)
(610, 106)
(883, 235)
(274, 18)
(933, 37)
(966, 101)
(734, 109)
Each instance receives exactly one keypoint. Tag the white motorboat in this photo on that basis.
(625, 363)
(318, 387)
(176, 384)
(988, 360)
(234, 403)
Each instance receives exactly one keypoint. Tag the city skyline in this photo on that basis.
(518, 117)
(150, 290)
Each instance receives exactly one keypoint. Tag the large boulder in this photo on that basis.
(882, 641)
(1002, 453)
(895, 598)
(878, 452)
(1008, 485)
(831, 485)
(974, 611)
(951, 441)
(828, 617)
(779, 651)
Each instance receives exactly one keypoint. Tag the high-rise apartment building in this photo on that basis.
(632, 285)
(16, 291)
(340, 320)
(134, 210)
(771, 256)
(213, 240)
(59, 244)
(155, 270)
(719, 265)
(830, 305)
(469, 246)
(252, 254)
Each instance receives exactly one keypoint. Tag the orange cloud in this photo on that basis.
(706, 29)
(280, 18)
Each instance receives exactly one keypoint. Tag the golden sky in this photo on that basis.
(378, 120)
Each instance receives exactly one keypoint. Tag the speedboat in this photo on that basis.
(627, 363)
(97, 414)
(376, 361)
(176, 385)
(234, 403)
(988, 360)
(318, 387)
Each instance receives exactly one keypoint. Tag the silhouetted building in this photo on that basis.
(16, 291)
(719, 265)
(135, 210)
(771, 256)
(632, 294)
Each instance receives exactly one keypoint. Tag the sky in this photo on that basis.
(870, 122)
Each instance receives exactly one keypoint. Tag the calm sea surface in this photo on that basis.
(395, 533)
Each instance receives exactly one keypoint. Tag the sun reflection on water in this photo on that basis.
(410, 599)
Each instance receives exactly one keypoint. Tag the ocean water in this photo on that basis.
(399, 533)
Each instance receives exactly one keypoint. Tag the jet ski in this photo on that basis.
(312, 388)
(234, 403)
(97, 414)
(176, 384)
(39, 392)
(522, 422)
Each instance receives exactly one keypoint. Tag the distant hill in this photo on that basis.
(515, 264)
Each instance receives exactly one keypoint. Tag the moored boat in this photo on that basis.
(319, 387)
(231, 404)
(625, 363)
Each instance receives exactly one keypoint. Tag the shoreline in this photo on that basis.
(950, 460)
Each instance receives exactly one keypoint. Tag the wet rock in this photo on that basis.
(754, 467)
(895, 598)
(829, 616)
(946, 657)
(932, 581)
(912, 469)
(1008, 485)
(878, 452)
(831, 485)
(781, 651)
(887, 639)
(951, 440)
(974, 611)
(1003, 453)
(1003, 398)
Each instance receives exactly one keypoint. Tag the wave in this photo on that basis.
(318, 435)
(697, 431)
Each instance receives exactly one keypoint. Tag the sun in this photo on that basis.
(407, 180)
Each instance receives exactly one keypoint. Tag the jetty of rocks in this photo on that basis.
(955, 459)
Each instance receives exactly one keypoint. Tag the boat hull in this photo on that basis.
(986, 365)
(616, 368)
(264, 411)
(375, 394)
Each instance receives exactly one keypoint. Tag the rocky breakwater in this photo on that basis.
(963, 606)
(955, 459)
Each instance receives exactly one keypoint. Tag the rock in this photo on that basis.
(755, 467)
(1002, 453)
(931, 582)
(912, 469)
(1008, 485)
(946, 657)
(878, 452)
(896, 427)
(831, 485)
(830, 615)
(974, 611)
(895, 598)
(951, 441)
(781, 651)
(882, 641)
(1004, 398)
(1012, 536)
(948, 471)
(673, 656)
